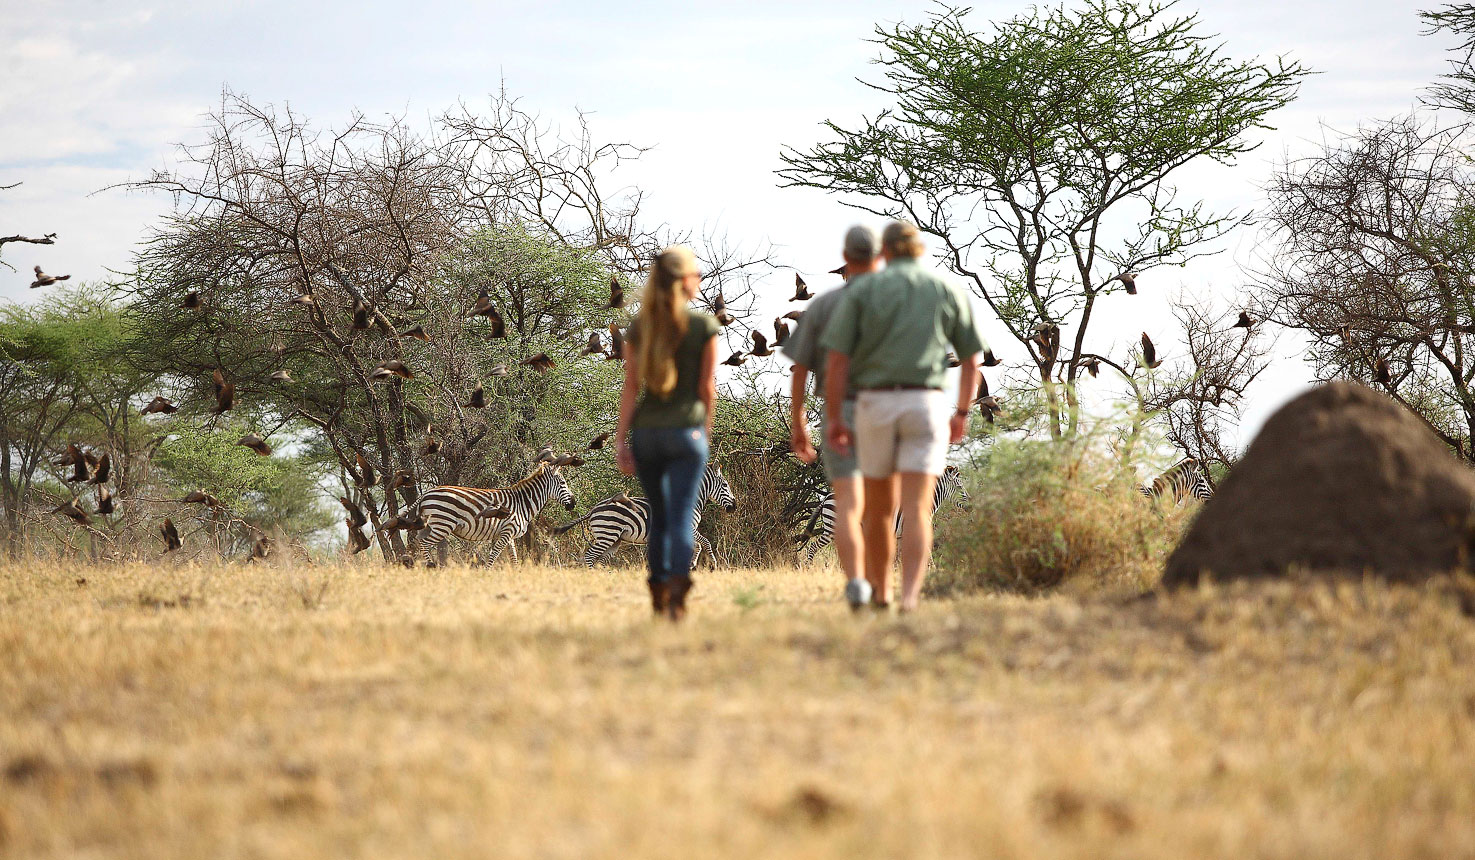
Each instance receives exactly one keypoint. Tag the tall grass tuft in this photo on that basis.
(1047, 515)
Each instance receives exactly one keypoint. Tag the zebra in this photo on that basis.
(457, 511)
(623, 519)
(820, 531)
(1185, 478)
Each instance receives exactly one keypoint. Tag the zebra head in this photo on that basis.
(951, 484)
(560, 488)
(718, 490)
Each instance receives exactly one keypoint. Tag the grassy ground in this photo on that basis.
(264, 712)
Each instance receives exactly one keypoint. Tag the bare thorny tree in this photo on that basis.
(285, 234)
(1373, 253)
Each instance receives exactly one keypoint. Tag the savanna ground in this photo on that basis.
(157, 711)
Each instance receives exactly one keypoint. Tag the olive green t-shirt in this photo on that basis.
(682, 407)
(897, 324)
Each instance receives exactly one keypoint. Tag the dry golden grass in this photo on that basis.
(247, 712)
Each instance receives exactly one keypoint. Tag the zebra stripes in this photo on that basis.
(457, 511)
(1185, 478)
(821, 529)
(613, 522)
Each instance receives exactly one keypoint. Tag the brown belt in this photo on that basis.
(902, 388)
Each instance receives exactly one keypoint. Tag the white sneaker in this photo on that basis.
(857, 594)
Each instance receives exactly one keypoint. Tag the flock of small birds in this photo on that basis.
(91, 469)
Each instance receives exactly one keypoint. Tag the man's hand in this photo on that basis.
(957, 428)
(838, 438)
(801, 446)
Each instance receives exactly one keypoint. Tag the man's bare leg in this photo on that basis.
(848, 542)
(916, 534)
(878, 524)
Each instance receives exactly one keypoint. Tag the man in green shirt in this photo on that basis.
(803, 349)
(889, 340)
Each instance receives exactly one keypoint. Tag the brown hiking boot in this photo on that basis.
(679, 586)
(660, 596)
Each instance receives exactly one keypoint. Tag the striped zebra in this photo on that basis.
(623, 519)
(457, 511)
(1185, 478)
(820, 531)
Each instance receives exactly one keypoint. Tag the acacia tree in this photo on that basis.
(1042, 156)
(1373, 251)
(319, 253)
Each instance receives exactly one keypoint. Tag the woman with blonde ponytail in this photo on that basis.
(666, 417)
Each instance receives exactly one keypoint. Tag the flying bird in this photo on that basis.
(989, 359)
(416, 331)
(104, 500)
(360, 316)
(365, 477)
(595, 346)
(478, 397)
(616, 293)
(79, 469)
(432, 445)
(193, 301)
(1381, 372)
(225, 392)
(402, 478)
(100, 474)
(540, 362)
(838, 270)
(357, 543)
(780, 331)
(403, 522)
(390, 369)
(45, 280)
(793, 315)
(953, 360)
(200, 497)
(616, 344)
(988, 405)
(801, 290)
(598, 441)
(735, 360)
(485, 308)
(1149, 353)
(1129, 281)
(545, 455)
(719, 310)
(760, 344)
(73, 511)
(497, 512)
(171, 536)
(305, 300)
(1244, 321)
(1092, 364)
(159, 404)
(356, 516)
(255, 443)
(281, 376)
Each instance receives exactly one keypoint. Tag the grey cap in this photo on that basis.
(861, 243)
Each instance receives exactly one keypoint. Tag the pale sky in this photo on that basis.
(97, 91)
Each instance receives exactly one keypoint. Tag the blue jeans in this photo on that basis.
(670, 462)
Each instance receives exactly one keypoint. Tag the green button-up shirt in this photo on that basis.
(897, 324)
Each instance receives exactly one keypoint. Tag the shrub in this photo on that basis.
(1047, 514)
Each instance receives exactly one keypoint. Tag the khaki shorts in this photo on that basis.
(901, 431)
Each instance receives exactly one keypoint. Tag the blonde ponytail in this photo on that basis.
(663, 320)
